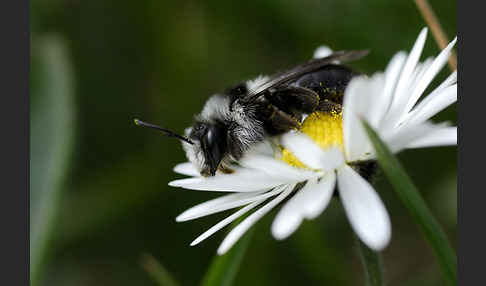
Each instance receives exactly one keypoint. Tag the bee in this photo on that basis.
(245, 114)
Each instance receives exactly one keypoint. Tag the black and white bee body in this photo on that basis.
(248, 112)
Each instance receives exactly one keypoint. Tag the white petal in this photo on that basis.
(356, 104)
(358, 94)
(356, 141)
(187, 169)
(410, 64)
(224, 203)
(375, 87)
(188, 181)
(401, 97)
(442, 137)
(429, 75)
(225, 222)
(320, 195)
(288, 218)
(362, 96)
(311, 154)
(322, 52)
(392, 73)
(241, 228)
(432, 104)
(197, 210)
(276, 168)
(308, 202)
(407, 134)
(240, 181)
(364, 209)
(418, 74)
(450, 80)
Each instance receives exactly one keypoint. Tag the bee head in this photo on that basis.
(220, 133)
(209, 146)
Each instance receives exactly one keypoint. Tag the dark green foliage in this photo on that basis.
(159, 61)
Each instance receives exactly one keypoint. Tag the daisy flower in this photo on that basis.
(331, 151)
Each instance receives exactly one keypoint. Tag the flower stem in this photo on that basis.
(413, 201)
(437, 31)
(372, 265)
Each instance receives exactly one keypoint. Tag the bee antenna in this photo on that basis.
(165, 131)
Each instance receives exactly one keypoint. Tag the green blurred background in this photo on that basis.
(99, 194)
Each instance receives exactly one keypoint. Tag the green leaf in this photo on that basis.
(224, 268)
(415, 204)
(372, 264)
(51, 139)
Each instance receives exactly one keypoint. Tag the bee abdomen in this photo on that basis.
(329, 82)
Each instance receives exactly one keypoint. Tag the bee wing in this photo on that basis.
(310, 66)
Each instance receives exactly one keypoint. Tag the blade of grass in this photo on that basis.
(51, 140)
(372, 264)
(413, 201)
(223, 269)
(157, 271)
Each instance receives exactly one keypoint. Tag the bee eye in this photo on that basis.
(213, 144)
(198, 130)
(238, 90)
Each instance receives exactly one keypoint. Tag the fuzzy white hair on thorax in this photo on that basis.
(245, 128)
(253, 84)
(322, 52)
(217, 106)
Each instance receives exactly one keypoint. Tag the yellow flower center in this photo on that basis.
(324, 128)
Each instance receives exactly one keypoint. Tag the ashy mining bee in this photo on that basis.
(245, 114)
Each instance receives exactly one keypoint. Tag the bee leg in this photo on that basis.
(293, 100)
(277, 121)
(225, 169)
(328, 106)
